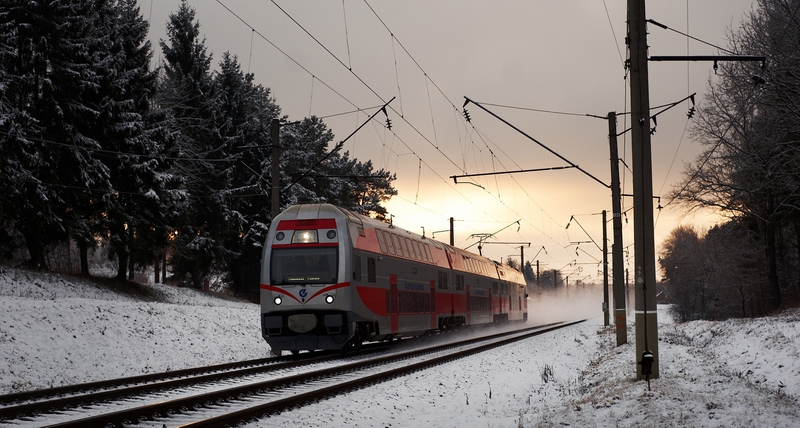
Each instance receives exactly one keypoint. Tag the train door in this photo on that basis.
(469, 307)
(393, 303)
(433, 305)
(491, 305)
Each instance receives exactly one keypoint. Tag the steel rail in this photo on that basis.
(255, 412)
(181, 405)
(151, 383)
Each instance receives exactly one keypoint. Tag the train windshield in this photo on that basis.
(315, 265)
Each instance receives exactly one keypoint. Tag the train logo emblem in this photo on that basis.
(303, 293)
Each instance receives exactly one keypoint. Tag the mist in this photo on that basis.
(582, 301)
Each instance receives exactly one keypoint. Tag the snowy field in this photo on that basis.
(56, 329)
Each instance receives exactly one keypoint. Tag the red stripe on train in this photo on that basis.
(314, 223)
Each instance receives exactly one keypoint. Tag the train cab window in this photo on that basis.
(316, 265)
(494, 288)
(356, 268)
(371, 270)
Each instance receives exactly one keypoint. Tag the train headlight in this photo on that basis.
(304, 237)
(329, 299)
(278, 300)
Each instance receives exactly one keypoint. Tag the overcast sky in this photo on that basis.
(548, 55)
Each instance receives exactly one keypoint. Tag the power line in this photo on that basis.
(284, 53)
(431, 143)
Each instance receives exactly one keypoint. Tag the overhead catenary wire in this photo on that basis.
(428, 79)
(297, 63)
(412, 126)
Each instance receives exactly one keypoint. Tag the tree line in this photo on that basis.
(100, 148)
(749, 171)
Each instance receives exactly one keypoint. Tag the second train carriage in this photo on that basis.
(332, 278)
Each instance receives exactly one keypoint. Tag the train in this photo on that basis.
(332, 279)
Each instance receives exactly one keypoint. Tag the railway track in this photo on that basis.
(27, 403)
(243, 394)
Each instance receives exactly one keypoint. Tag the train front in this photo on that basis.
(305, 293)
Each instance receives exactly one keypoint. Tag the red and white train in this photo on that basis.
(333, 279)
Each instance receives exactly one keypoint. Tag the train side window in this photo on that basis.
(356, 268)
(428, 253)
(402, 300)
(395, 244)
(389, 244)
(371, 270)
(442, 283)
(388, 302)
(381, 243)
(404, 247)
(494, 288)
(459, 282)
(412, 251)
(401, 246)
(409, 299)
(415, 301)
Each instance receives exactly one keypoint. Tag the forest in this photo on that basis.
(159, 165)
(748, 171)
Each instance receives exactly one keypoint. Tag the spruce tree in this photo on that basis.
(48, 67)
(189, 94)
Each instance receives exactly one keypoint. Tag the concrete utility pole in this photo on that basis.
(644, 241)
(452, 233)
(275, 133)
(618, 282)
(605, 271)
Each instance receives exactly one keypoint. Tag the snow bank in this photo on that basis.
(57, 329)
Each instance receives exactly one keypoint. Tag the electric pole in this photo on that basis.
(605, 271)
(618, 282)
(452, 234)
(644, 245)
(275, 133)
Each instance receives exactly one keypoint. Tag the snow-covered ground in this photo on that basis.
(57, 329)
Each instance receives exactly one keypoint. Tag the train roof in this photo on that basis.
(439, 254)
